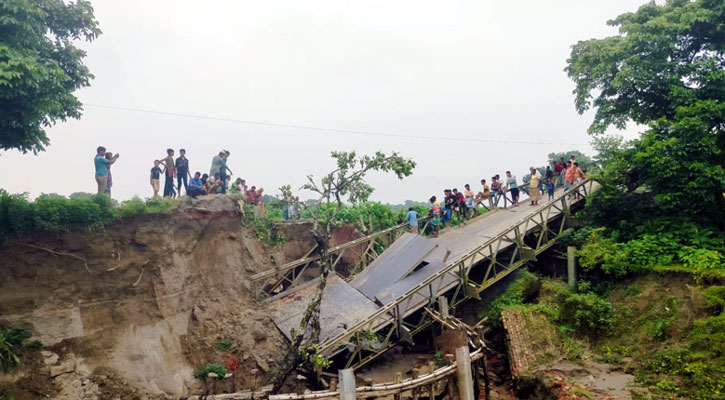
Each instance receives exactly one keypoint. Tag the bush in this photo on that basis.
(586, 313)
(574, 237)
(604, 254)
(266, 230)
(203, 372)
(658, 243)
(19, 216)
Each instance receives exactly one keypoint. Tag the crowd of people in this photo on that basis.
(463, 204)
(177, 173)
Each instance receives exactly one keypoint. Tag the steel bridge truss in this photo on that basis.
(365, 249)
(464, 278)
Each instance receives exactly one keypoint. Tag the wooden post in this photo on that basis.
(443, 306)
(431, 386)
(463, 370)
(301, 384)
(369, 382)
(254, 373)
(416, 374)
(571, 266)
(451, 386)
(398, 379)
(347, 384)
(333, 384)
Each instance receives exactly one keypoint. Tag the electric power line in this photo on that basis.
(346, 131)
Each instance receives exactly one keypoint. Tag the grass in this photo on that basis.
(224, 345)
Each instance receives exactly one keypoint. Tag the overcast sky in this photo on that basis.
(486, 71)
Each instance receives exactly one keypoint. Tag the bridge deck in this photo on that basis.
(343, 305)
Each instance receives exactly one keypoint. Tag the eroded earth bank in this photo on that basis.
(132, 310)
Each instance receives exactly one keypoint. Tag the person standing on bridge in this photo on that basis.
(559, 172)
(550, 189)
(569, 176)
(534, 193)
(435, 215)
(513, 188)
(412, 219)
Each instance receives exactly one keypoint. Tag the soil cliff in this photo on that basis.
(139, 305)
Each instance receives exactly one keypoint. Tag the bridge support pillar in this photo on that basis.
(571, 266)
(347, 384)
(463, 370)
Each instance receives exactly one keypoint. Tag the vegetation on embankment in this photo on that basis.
(20, 216)
(663, 328)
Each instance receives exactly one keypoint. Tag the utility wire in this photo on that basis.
(312, 128)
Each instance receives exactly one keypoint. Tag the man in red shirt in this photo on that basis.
(252, 195)
(558, 169)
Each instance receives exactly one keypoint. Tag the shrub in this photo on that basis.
(12, 341)
(204, 371)
(266, 230)
(604, 254)
(574, 237)
(19, 216)
(666, 245)
(586, 313)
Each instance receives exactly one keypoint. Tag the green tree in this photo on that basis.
(665, 70)
(581, 158)
(347, 182)
(40, 67)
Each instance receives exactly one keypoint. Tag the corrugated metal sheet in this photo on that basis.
(396, 262)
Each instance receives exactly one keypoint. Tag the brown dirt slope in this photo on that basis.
(142, 303)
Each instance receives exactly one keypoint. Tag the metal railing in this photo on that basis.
(277, 280)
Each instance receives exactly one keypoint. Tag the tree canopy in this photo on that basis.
(665, 70)
(40, 67)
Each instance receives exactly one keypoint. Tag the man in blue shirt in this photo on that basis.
(196, 186)
(412, 217)
(101, 163)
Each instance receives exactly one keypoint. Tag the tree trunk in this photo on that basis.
(311, 320)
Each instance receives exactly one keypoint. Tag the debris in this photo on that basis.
(49, 358)
(65, 367)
